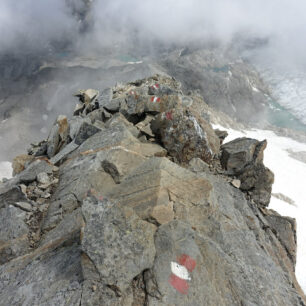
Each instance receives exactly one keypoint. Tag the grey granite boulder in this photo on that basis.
(11, 196)
(257, 180)
(133, 104)
(85, 131)
(105, 97)
(75, 123)
(30, 173)
(243, 157)
(186, 136)
(241, 152)
(114, 105)
(118, 242)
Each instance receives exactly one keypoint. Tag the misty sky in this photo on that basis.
(34, 25)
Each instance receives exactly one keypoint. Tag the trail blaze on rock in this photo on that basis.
(155, 99)
(187, 261)
(179, 284)
(179, 277)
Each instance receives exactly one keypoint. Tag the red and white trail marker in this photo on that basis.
(180, 273)
(155, 86)
(155, 99)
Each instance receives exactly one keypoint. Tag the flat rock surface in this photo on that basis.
(57, 272)
(120, 244)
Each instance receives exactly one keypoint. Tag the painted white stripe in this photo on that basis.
(138, 62)
(155, 99)
(180, 271)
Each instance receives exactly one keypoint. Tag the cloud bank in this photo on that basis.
(29, 25)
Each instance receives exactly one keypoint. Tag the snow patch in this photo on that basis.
(255, 89)
(288, 88)
(5, 170)
(132, 63)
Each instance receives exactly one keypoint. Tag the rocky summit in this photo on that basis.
(135, 200)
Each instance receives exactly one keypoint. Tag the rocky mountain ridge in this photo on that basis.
(35, 89)
(136, 201)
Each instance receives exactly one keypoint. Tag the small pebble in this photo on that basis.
(236, 183)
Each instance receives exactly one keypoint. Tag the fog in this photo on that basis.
(31, 25)
(34, 32)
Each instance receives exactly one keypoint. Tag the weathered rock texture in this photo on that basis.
(185, 135)
(135, 212)
(243, 158)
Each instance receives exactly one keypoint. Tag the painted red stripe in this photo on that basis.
(187, 261)
(169, 116)
(179, 284)
(155, 99)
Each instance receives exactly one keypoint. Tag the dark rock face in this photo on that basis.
(225, 82)
(258, 182)
(285, 229)
(117, 222)
(243, 158)
(186, 136)
(239, 153)
(86, 130)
